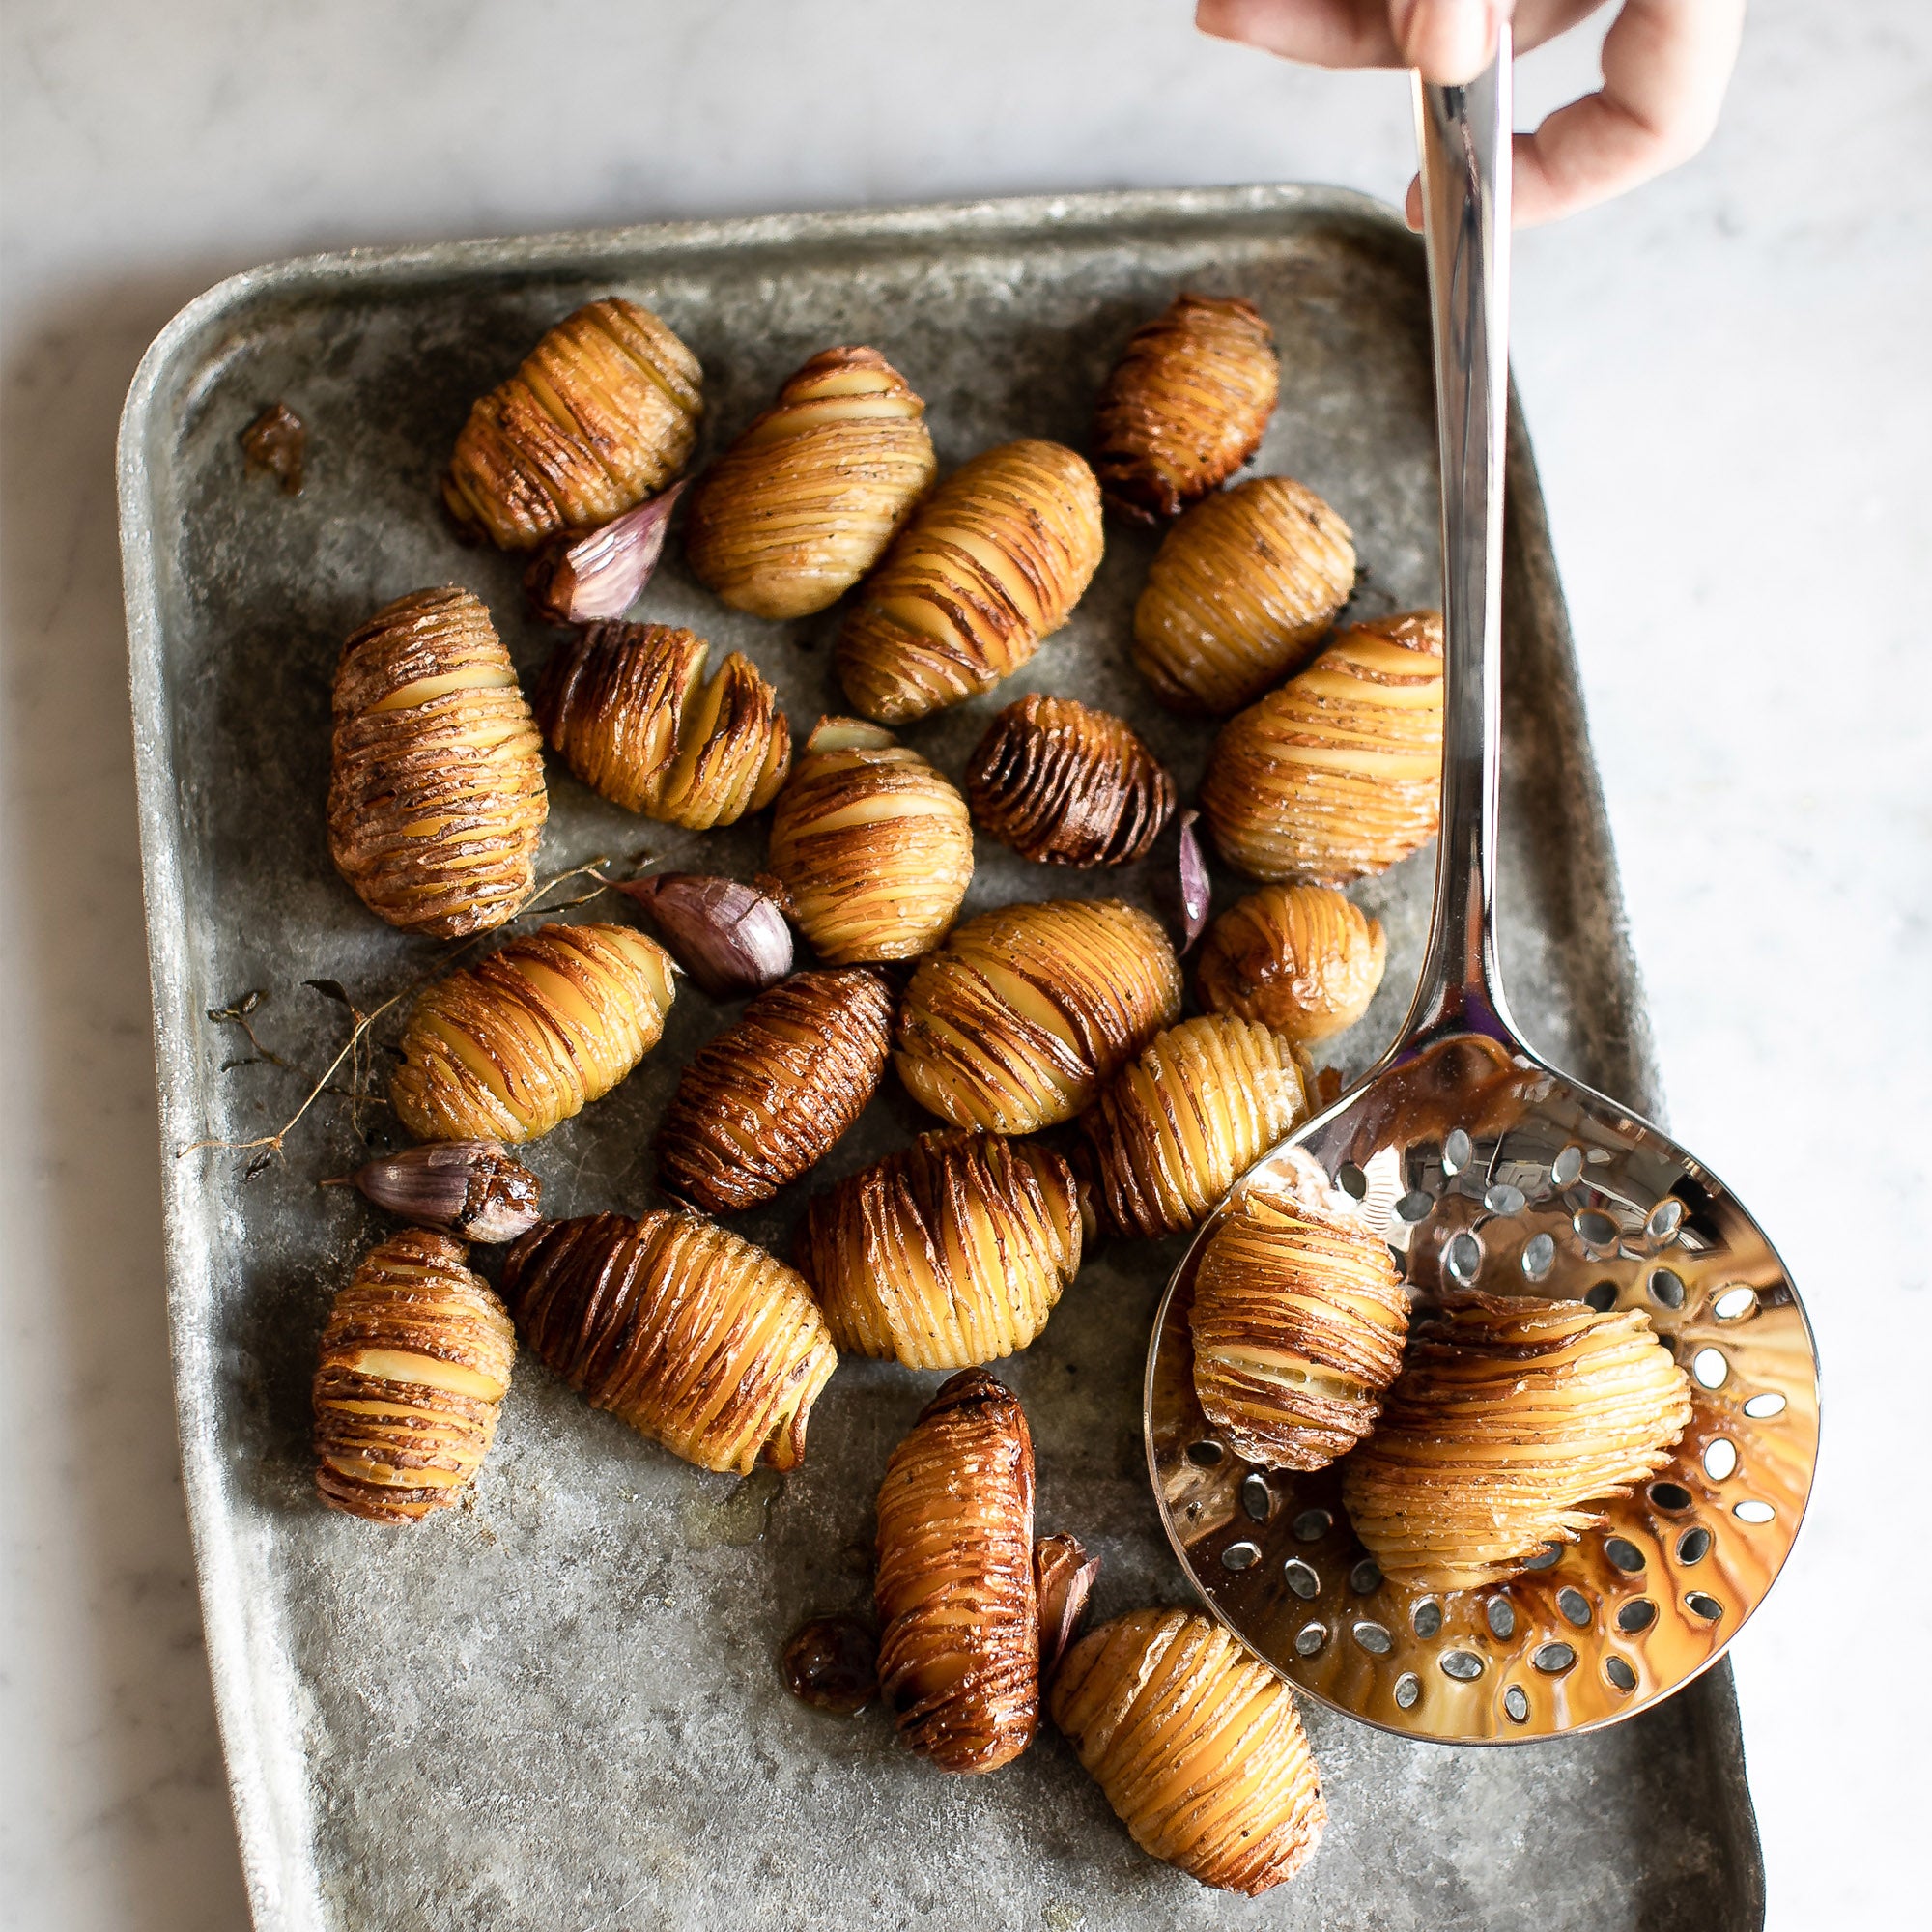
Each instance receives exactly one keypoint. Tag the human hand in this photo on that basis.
(1665, 66)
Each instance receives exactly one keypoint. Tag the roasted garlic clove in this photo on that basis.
(771, 1095)
(695, 1338)
(959, 1647)
(1066, 785)
(1197, 1746)
(1017, 1020)
(729, 937)
(414, 1367)
(805, 502)
(601, 414)
(1064, 1576)
(630, 710)
(1185, 406)
(1242, 590)
(436, 786)
(948, 1253)
(1178, 1128)
(989, 567)
(873, 847)
(1511, 1419)
(1301, 959)
(1339, 773)
(471, 1189)
(1298, 1324)
(505, 1049)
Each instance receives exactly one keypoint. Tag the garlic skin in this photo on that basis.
(435, 786)
(805, 502)
(1177, 1126)
(630, 708)
(1014, 1023)
(1301, 959)
(950, 1253)
(601, 414)
(873, 848)
(989, 567)
(1063, 1577)
(1066, 785)
(412, 1368)
(1338, 773)
(1298, 1323)
(694, 1337)
(959, 1647)
(1243, 589)
(731, 938)
(508, 1048)
(1513, 1419)
(1197, 1746)
(471, 1189)
(597, 577)
(1185, 406)
(770, 1096)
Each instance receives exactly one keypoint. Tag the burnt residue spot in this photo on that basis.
(832, 1665)
(274, 445)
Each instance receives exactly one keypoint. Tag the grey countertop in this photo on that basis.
(1726, 382)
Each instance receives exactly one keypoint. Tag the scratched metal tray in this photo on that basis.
(560, 1706)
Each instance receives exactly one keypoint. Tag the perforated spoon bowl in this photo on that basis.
(1483, 1167)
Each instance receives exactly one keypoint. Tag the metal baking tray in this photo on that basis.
(560, 1706)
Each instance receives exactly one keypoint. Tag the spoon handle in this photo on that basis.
(1463, 135)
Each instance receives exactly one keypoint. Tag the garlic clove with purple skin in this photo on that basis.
(731, 938)
(598, 575)
(1196, 893)
(1064, 1576)
(471, 1189)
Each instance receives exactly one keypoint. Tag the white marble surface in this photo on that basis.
(1728, 378)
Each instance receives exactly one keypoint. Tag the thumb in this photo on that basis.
(1451, 40)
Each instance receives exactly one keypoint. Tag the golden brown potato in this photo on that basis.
(630, 708)
(959, 1648)
(601, 414)
(1245, 587)
(947, 1254)
(695, 1338)
(414, 1367)
(1017, 1020)
(771, 1095)
(1514, 1416)
(1179, 1126)
(1066, 785)
(1339, 773)
(990, 566)
(1185, 406)
(1197, 1746)
(872, 848)
(805, 502)
(505, 1049)
(1298, 1324)
(1301, 959)
(436, 786)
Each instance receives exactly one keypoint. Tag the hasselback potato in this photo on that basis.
(1017, 1020)
(601, 414)
(1242, 590)
(414, 1367)
(436, 789)
(872, 848)
(805, 502)
(505, 1049)
(630, 710)
(695, 1338)
(1301, 959)
(770, 1096)
(959, 1647)
(990, 565)
(1185, 406)
(1176, 1127)
(1298, 1324)
(1513, 1417)
(1197, 1746)
(1066, 785)
(1339, 773)
(947, 1254)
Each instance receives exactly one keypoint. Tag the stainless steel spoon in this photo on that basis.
(1486, 1167)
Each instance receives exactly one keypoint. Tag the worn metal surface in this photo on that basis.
(560, 1707)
